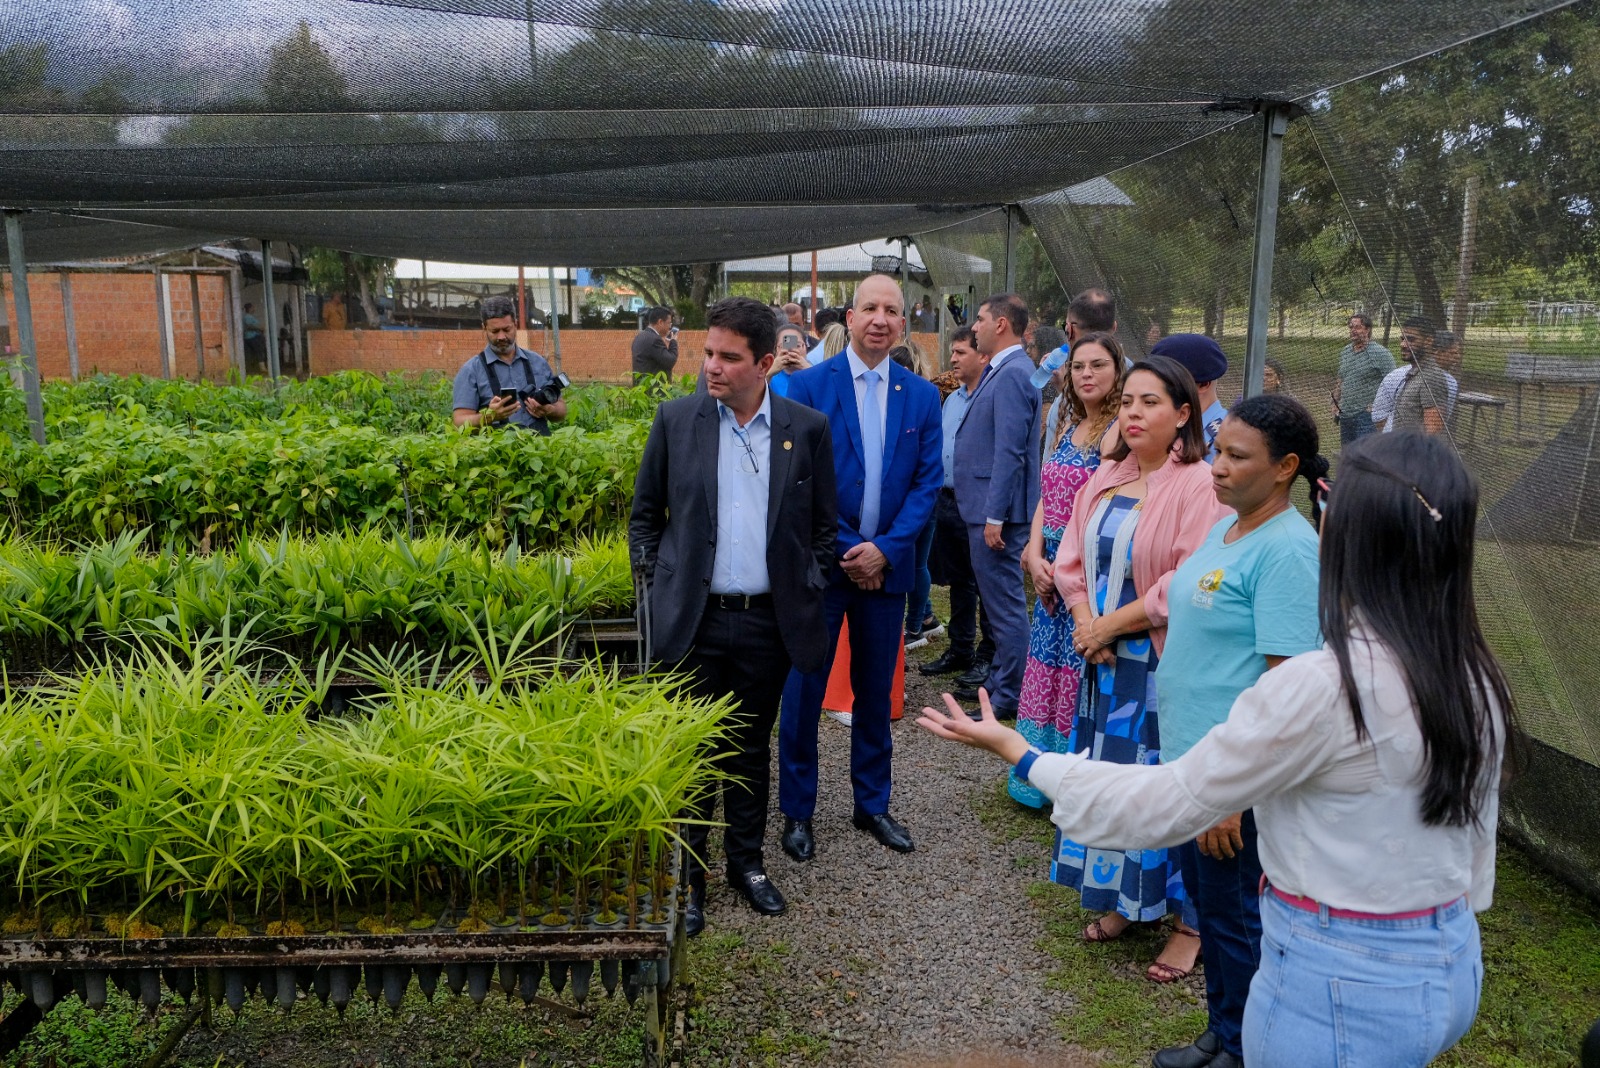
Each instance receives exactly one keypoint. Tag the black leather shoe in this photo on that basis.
(758, 890)
(797, 840)
(694, 913)
(1202, 1052)
(1005, 715)
(975, 676)
(948, 662)
(884, 828)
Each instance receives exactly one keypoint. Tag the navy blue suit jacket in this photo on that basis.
(996, 467)
(912, 468)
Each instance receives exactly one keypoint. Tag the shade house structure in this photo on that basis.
(1258, 171)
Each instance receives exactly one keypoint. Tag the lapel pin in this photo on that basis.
(788, 445)
(897, 389)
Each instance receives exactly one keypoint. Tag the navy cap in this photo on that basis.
(1201, 356)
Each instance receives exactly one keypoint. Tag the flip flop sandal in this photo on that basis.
(1096, 932)
(1164, 973)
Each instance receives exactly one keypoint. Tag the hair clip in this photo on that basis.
(1438, 517)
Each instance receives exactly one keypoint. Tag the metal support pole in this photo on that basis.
(1011, 248)
(199, 331)
(1275, 123)
(70, 317)
(555, 321)
(269, 319)
(25, 342)
(164, 322)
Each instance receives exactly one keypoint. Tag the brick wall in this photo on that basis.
(118, 320)
(586, 355)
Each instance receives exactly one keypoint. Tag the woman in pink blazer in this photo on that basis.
(1148, 507)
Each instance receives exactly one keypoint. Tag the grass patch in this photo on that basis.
(1541, 961)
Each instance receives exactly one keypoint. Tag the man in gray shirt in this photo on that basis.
(1362, 366)
(490, 387)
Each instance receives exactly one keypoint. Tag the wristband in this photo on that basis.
(1025, 765)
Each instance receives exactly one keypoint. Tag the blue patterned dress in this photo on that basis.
(1116, 721)
(1049, 697)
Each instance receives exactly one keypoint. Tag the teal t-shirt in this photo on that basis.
(1228, 608)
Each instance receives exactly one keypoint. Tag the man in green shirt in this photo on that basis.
(1362, 366)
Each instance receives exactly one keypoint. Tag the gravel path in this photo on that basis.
(886, 956)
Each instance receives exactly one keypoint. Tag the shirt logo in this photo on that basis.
(1207, 587)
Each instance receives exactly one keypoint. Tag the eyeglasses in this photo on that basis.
(747, 463)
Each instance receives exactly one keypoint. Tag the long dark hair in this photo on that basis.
(1289, 430)
(1180, 389)
(1397, 547)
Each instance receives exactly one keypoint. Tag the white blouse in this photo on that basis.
(1339, 820)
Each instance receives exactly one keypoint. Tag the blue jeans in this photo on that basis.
(918, 607)
(1227, 901)
(1354, 426)
(1334, 993)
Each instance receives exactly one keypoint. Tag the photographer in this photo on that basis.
(655, 348)
(505, 384)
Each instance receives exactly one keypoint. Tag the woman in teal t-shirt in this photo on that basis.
(1242, 604)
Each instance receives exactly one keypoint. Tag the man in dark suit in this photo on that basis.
(886, 425)
(997, 487)
(733, 527)
(655, 348)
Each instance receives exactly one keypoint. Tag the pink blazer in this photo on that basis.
(1180, 508)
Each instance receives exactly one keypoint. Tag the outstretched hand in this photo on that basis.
(986, 733)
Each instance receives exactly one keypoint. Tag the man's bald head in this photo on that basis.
(882, 284)
(793, 312)
(877, 318)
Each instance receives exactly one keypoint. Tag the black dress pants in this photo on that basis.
(738, 653)
(951, 564)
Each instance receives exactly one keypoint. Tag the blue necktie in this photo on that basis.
(872, 443)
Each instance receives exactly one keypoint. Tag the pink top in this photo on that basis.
(1180, 508)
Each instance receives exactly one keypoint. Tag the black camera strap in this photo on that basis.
(493, 372)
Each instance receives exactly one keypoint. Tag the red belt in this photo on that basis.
(1306, 904)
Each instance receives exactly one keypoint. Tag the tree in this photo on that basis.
(685, 288)
(334, 270)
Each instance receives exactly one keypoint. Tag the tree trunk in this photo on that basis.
(705, 275)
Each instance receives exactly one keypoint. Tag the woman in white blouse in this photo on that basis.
(1373, 765)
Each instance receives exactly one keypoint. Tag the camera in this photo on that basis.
(546, 394)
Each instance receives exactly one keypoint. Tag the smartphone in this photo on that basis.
(509, 395)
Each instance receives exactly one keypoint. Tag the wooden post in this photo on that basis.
(164, 321)
(235, 308)
(199, 338)
(297, 327)
(813, 301)
(1469, 248)
(71, 319)
(25, 343)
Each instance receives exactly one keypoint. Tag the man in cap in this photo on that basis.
(1203, 358)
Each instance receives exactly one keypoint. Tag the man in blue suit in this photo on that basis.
(997, 487)
(887, 433)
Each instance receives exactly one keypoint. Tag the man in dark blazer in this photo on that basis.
(997, 487)
(733, 527)
(886, 429)
(655, 348)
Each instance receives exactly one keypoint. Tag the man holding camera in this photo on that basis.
(506, 385)
(655, 348)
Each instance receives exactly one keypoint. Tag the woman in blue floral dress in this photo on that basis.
(1092, 393)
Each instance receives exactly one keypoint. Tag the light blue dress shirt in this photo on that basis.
(740, 563)
(955, 410)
